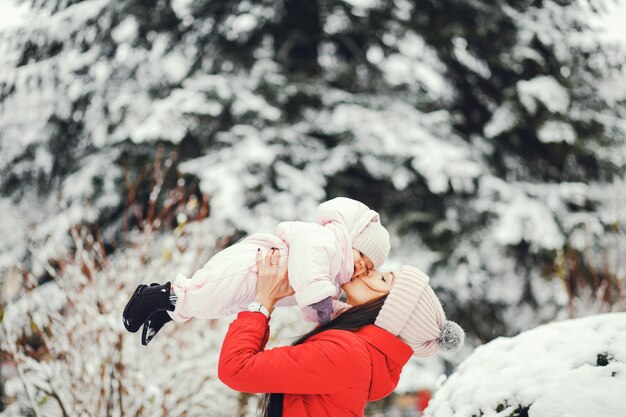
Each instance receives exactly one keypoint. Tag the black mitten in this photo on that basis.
(152, 326)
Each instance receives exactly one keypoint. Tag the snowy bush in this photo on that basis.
(72, 356)
(573, 368)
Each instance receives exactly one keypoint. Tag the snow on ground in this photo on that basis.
(573, 368)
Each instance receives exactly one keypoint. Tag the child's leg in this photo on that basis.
(226, 284)
(201, 296)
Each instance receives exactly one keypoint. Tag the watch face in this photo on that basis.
(254, 306)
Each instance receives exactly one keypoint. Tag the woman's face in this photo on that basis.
(366, 287)
(362, 263)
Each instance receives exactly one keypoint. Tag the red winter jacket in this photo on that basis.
(334, 373)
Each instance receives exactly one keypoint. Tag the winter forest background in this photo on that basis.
(138, 137)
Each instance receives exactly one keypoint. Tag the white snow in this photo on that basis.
(227, 174)
(182, 8)
(415, 64)
(244, 22)
(126, 31)
(13, 13)
(248, 17)
(10, 253)
(466, 58)
(524, 218)
(336, 22)
(364, 4)
(555, 131)
(545, 90)
(397, 131)
(502, 120)
(610, 23)
(403, 9)
(552, 369)
(80, 185)
(375, 54)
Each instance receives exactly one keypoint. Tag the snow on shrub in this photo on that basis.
(69, 355)
(573, 368)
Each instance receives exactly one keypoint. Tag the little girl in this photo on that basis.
(346, 240)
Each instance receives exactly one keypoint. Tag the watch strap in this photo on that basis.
(265, 311)
(256, 306)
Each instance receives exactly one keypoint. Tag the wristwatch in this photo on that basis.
(255, 306)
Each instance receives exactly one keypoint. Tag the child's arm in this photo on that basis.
(311, 251)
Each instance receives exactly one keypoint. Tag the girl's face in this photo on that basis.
(366, 287)
(362, 263)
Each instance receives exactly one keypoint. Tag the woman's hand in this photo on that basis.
(272, 283)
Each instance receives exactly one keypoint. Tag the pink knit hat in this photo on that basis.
(373, 242)
(414, 314)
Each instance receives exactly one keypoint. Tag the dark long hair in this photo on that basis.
(271, 405)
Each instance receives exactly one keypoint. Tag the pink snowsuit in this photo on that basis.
(319, 257)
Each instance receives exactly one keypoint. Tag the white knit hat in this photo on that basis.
(413, 312)
(373, 242)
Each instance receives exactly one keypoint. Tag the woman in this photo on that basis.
(338, 367)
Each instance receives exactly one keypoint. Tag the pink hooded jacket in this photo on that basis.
(352, 214)
(320, 258)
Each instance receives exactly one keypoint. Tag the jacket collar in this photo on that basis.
(391, 346)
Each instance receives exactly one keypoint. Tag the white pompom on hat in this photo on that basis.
(413, 312)
(373, 242)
